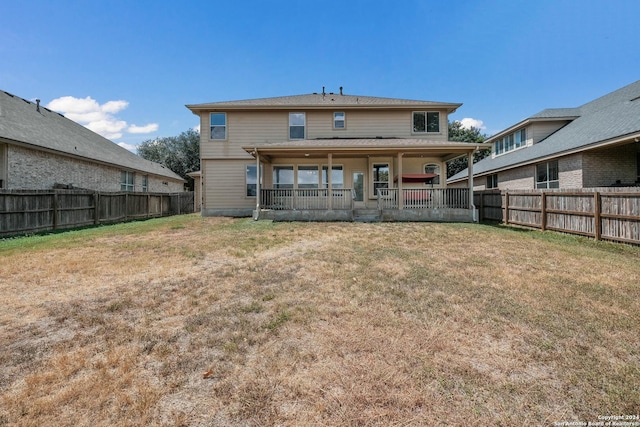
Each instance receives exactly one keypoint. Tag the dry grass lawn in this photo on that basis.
(190, 321)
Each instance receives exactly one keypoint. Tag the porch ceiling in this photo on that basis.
(365, 147)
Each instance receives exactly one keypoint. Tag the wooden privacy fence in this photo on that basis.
(601, 213)
(23, 212)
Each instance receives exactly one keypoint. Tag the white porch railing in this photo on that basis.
(424, 198)
(305, 198)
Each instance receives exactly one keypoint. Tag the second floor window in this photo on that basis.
(426, 122)
(218, 125)
(339, 121)
(296, 125)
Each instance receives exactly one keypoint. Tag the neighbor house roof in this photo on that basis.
(323, 101)
(604, 121)
(22, 122)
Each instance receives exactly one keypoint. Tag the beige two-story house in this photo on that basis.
(330, 156)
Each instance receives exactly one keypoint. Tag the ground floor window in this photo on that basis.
(308, 176)
(252, 180)
(492, 181)
(283, 177)
(145, 183)
(433, 168)
(380, 174)
(127, 181)
(547, 175)
(337, 177)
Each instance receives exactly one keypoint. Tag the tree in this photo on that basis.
(461, 134)
(179, 153)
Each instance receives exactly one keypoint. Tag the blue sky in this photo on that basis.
(127, 68)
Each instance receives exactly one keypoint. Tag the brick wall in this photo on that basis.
(603, 168)
(38, 170)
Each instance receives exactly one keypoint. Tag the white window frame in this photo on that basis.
(293, 115)
(548, 183)
(127, 181)
(223, 126)
(426, 122)
(337, 120)
(145, 183)
(492, 181)
(511, 142)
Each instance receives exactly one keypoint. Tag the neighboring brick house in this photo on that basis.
(330, 156)
(594, 145)
(41, 149)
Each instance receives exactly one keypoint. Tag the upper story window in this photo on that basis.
(339, 121)
(433, 168)
(426, 121)
(296, 125)
(127, 181)
(510, 142)
(218, 122)
(547, 175)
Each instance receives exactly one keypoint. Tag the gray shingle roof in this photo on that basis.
(45, 129)
(318, 100)
(611, 116)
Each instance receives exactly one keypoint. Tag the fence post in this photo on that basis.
(597, 201)
(96, 208)
(543, 211)
(505, 219)
(55, 210)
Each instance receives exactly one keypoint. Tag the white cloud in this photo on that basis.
(151, 127)
(468, 123)
(100, 118)
(197, 128)
(129, 147)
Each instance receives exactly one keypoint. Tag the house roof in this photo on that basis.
(322, 101)
(22, 123)
(610, 119)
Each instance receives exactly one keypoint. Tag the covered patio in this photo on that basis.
(378, 179)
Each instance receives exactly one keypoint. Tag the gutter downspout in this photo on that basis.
(470, 181)
(256, 212)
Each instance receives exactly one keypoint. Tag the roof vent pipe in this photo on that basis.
(340, 90)
(38, 105)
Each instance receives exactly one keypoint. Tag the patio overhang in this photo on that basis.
(347, 147)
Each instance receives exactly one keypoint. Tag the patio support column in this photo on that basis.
(329, 181)
(470, 181)
(400, 195)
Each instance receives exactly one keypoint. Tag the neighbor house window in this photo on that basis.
(433, 168)
(380, 174)
(127, 181)
(547, 175)
(337, 177)
(218, 125)
(308, 176)
(339, 121)
(283, 177)
(145, 183)
(492, 181)
(296, 125)
(426, 121)
(510, 142)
